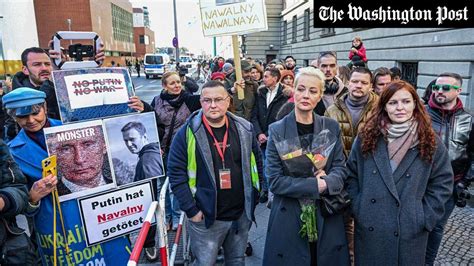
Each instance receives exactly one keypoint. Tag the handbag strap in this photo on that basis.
(170, 132)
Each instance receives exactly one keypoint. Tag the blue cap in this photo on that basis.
(22, 99)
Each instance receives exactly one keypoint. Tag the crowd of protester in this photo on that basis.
(381, 193)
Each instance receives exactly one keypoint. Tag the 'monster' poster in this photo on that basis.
(82, 159)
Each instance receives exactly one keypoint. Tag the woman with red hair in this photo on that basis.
(399, 180)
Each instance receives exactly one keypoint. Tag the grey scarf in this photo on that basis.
(401, 137)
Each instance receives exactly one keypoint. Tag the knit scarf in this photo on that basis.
(401, 137)
(175, 100)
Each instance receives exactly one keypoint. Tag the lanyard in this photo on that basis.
(224, 141)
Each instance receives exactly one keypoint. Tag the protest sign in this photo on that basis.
(86, 94)
(82, 159)
(228, 17)
(134, 147)
(115, 213)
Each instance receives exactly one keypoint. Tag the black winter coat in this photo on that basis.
(13, 191)
(263, 116)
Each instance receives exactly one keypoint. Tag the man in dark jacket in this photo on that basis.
(455, 126)
(149, 154)
(13, 201)
(333, 87)
(35, 74)
(269, 100)
(214, 173)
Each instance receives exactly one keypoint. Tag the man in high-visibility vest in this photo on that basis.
(214, 169)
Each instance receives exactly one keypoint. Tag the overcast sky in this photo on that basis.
(189, 24)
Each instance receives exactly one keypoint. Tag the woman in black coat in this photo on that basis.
(284, 245)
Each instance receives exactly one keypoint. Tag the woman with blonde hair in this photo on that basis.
(285, 243)
(172, 107)
(399, 179)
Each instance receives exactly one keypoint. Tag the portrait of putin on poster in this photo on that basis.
(83, 164)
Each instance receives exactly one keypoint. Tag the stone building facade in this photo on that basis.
(421, 53)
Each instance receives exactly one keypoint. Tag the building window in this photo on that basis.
(294, 29)
(327, 32)
(306, 25)
(122, 24)
(305, 62)
(410, 72)
(144, 39)
(285, 31)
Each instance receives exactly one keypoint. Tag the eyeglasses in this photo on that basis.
(444, 87)
(217, 101)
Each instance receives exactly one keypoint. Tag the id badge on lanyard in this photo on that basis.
(224, 179)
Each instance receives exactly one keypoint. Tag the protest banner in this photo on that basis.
(229, 17)
(87, 94)
(134, 147)
(82, 159)
(233, 17)
(113, 214)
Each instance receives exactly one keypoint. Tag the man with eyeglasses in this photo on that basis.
(290, 64)
(455, 127)
(214, 171)
(327, 63)
(270, 98)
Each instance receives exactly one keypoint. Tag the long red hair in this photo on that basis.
(372, 130)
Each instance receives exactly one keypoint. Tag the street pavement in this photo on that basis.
(146, 89)
(457, 247)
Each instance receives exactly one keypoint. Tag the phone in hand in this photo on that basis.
(49, 166)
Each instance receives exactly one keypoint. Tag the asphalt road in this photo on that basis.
(147, 89)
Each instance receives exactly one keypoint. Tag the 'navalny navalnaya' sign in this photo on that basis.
(228, 17)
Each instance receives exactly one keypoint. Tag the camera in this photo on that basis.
(182, 71)
(462, 195)
(78, 51)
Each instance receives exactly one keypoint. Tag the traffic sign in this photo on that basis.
(175, 42)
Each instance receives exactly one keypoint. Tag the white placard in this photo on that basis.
(116, 213)
(228, 17)
(88, 90)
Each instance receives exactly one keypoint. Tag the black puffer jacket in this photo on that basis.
(13, 191)
(22, 80)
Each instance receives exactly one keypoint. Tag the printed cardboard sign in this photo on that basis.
(115, 213)
(87, 94)
(82, 159)
(134, 148)
(229, 17)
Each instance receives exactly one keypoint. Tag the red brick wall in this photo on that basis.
(51, 16)
(142, 49)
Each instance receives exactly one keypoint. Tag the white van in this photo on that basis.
(156, 64)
